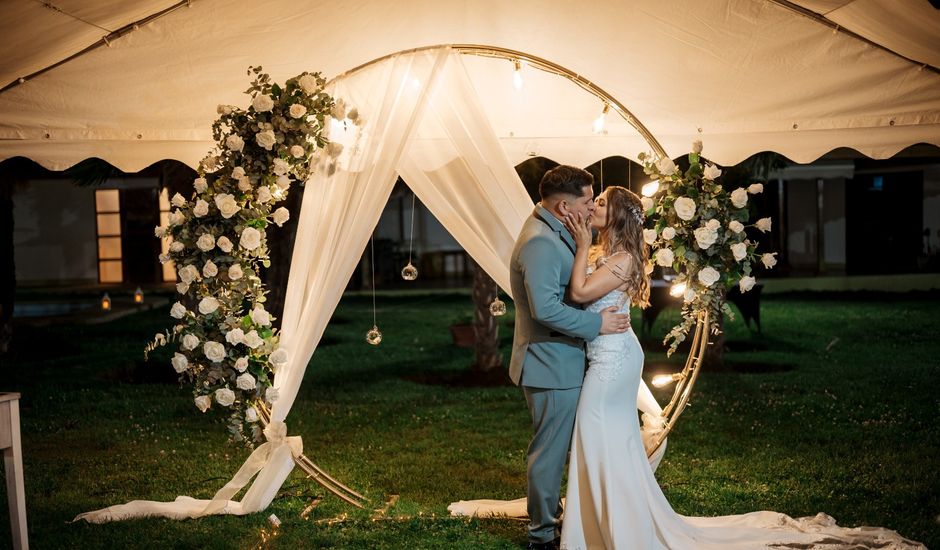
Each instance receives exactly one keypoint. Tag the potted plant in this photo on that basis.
(461, 330)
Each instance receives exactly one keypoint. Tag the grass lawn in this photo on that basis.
(834, 408)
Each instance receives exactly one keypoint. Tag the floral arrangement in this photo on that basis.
(698, 229)
(228, 348)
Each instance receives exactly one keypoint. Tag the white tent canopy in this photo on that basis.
(743, 75)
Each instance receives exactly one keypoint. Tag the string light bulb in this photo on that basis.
(677, 290)
(601, 120)
(517, 74)
(661, 380)
(650, 189)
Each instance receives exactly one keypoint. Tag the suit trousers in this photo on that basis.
(553, 412)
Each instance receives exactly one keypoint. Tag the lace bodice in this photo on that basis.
(606, 353)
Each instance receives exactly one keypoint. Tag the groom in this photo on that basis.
(548, 345)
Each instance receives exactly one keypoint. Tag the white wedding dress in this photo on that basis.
(614, 501)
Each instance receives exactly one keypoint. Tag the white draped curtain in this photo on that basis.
(422, 119)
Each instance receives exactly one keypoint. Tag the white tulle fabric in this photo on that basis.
(422, 119)
(613, 499)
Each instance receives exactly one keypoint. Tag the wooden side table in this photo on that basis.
(13, 466)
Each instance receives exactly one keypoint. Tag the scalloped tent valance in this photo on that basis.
(743, 75)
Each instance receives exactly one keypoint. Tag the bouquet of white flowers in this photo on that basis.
(698, 229)
(228, 348)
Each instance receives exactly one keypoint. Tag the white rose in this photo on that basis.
(264, 194)
(235, 336)
(281, 215)
(177, 246)
(739, 197)
(262, 103)
(746, 283)
(252, 340)
(297, 110)
(685, 208)
(200, 184)
(208, 305)
(245, 382)
(308, 83)
(251, 238)
(705, 237)
(177, 200)
(339, 110)
(666, 167)
(210, 269)
(190, 341)
(224, 244)
(278, 359)
(188, 274)
(238, 173)
(203, 402)
(708, 276)
(177, 311)
(689, 295)
(736, 226)
(201, 208)
(647, 203)
(206, 242)
(235, 272)
(176, 217)
(224, 109)
(664, 257)
(271, 394)
(711, 172)
(668, 233)
(163, 258)
(226, 204)
(768, 259)
(235, 142)
(244, 184)
(649, 236)
(179, 362)
(334, 149)
(224, 396)
(260, 317)
(241, 364)
(251, 415)
(297, 151)
(266, 139)
(739, 250)
(713, 224)
(182, 288)
(755, 188)
(280, 167)
(159, 232)
(214, 351)
(763, 224)
(697, 146)
(283, 182)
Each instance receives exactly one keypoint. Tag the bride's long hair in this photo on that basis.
(624, 232)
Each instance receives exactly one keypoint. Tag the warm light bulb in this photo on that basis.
(106, 302)
(661, 380)
(517, 75)
(677, 289)
(138, 296)
(601, 120)
(650, 188)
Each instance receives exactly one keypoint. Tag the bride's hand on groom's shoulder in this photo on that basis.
(580, 229)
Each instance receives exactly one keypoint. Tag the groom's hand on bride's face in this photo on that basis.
(613, 322)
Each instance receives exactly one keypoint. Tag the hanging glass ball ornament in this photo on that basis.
(498, 308)
(374, 336)
(409, 272)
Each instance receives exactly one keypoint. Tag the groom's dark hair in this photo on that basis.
(564, 179)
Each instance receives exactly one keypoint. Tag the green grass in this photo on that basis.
(846, 424)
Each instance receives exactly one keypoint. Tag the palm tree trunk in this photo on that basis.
(485, 326)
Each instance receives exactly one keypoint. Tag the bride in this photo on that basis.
(613, 499)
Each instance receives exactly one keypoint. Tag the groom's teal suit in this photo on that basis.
(547, 357)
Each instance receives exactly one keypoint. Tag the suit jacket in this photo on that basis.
(548, 344)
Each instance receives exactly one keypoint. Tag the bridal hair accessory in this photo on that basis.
(635, 212)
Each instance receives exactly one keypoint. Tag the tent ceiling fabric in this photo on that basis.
(743, 75)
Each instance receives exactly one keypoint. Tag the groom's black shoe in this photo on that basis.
(551, 545)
